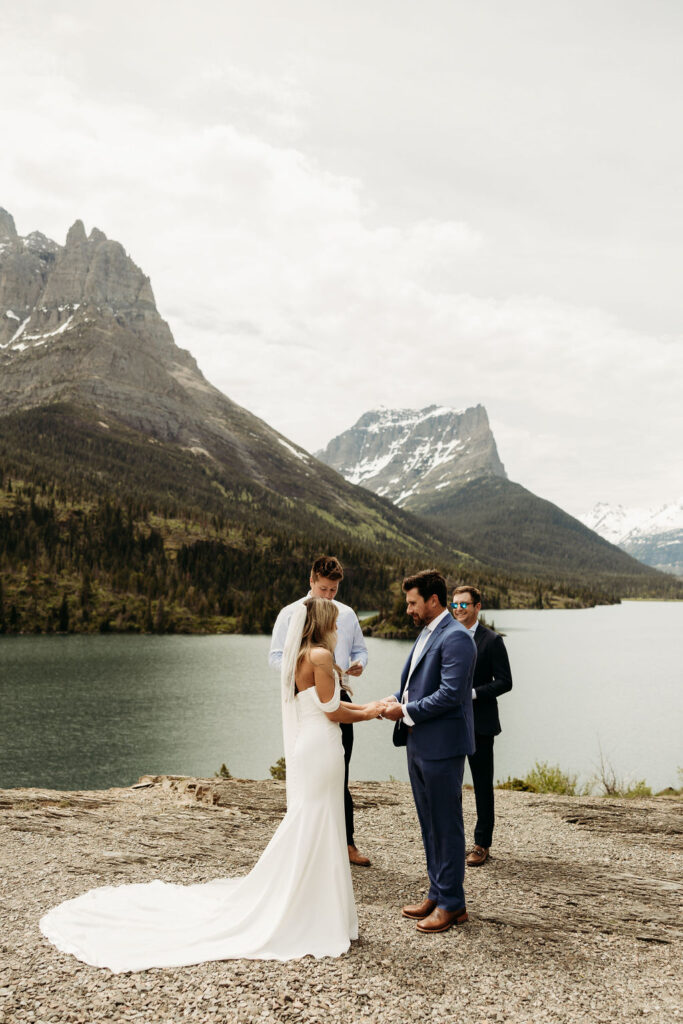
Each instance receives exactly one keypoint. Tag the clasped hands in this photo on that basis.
(388, 708)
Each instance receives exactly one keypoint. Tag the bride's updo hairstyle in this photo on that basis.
(321, 619)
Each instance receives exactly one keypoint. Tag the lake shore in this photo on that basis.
(575, 917)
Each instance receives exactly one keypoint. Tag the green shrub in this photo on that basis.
(613, 785)
(636, 789)
(279, 770)
(222, 773)
(520, 785)
(549, 778)
(543, 778)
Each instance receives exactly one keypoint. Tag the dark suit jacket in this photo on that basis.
(440, 693)
(492, 677)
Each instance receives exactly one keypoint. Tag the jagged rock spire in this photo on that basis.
(7, 226)
(76, 234)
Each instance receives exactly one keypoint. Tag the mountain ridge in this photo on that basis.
(652, 535)
(136, 496)
(84, 331)
(443, 465)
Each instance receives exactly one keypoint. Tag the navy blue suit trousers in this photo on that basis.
(437, 790)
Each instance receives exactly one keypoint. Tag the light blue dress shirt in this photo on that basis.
(350, 643)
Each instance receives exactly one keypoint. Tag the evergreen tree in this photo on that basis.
(160, 617)
(63, 616)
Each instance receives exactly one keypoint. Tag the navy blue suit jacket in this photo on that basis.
(440, 693)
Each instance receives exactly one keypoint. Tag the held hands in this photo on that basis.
(375, 709)
(388, 708)
(392, 709)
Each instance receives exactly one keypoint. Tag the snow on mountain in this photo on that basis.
(618, 524)
(652, 535)
(408, 454)
(612, 521)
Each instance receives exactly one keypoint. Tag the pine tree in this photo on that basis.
(63, 616)
(160, 617)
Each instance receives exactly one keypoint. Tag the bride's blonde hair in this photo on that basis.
(321, 619)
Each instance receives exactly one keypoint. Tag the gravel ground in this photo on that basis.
(575, 918)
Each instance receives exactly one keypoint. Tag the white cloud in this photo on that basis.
(303, 301)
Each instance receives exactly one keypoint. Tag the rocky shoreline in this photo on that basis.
(575, 918)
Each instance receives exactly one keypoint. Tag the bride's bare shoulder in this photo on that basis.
(321, 656)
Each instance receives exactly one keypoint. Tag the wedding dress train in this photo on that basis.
(296, 901)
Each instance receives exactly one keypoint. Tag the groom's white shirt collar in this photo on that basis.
(431, 626)
(422, 641)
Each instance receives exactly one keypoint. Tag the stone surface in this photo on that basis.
(576, 917)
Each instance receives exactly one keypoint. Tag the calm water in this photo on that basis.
(91, 712)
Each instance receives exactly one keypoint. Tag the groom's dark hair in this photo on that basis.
(327, 566)
(428, 582)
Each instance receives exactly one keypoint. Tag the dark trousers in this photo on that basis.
(481, 766)
(437, 790)
(347, 743)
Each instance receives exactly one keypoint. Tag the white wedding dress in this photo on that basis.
(296, 901)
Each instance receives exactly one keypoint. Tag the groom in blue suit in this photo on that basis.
(433, 715)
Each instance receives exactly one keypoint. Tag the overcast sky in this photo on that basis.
(342, 205)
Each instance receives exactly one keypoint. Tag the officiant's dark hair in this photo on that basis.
(428, 582)
(327, 566)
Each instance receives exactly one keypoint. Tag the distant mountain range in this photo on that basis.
(443, 465)
(135, 494)
(653, 536)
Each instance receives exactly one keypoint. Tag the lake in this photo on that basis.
(88, 712)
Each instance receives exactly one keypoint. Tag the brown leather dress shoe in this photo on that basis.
(357, 858)
(477, 856)
(416, 911)
(441, 920)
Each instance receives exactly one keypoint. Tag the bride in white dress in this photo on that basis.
(298, 899)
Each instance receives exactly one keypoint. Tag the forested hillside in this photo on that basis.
(100, 566)
(98, 533)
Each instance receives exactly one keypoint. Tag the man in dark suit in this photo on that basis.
(492, 677)
(433, 712)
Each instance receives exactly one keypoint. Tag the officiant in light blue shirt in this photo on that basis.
(350, 654)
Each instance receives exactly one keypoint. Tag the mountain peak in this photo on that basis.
(652, 535)
(8, 231)
(407, 454)
(49, 291)
(76, 234)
